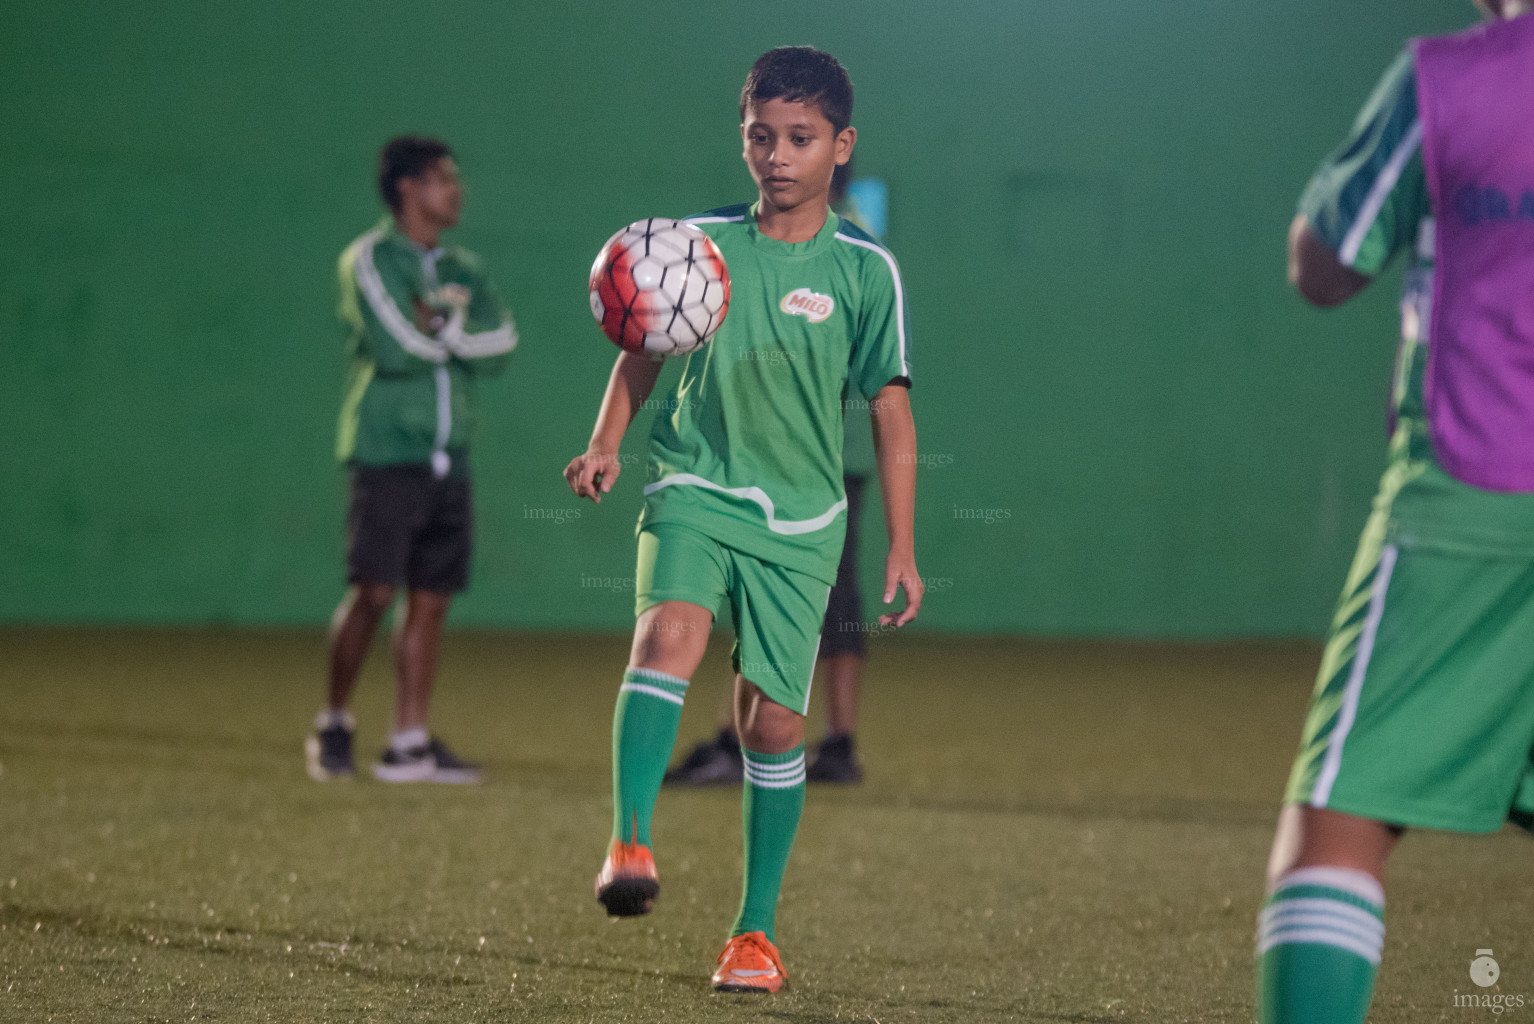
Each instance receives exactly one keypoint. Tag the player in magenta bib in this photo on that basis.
(1475, 94)
(1423, 712)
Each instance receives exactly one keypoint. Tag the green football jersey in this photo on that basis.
(751, 453)
(1369, 202)
(409, 394)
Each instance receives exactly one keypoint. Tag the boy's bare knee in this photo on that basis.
(1310, 837)
(671, 637)
(373, 599)
(764, 725)
(429, 604)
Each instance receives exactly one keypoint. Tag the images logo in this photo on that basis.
(813, 306)
(1485, 972)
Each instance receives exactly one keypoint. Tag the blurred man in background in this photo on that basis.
(424, 322)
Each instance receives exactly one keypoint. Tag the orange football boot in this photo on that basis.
(749, 963)
(628, 882)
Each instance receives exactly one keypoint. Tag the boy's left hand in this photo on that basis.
(900, 572)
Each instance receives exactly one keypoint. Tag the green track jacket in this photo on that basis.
(410, 394)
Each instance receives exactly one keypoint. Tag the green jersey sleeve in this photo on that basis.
(1369, 196)
(881, 351)
(488, 334)
(376, 290)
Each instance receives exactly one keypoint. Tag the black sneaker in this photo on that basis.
(430, 763)
(714, 762)
(835, 761)
(328, 754)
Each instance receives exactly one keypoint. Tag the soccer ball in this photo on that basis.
(660, 287)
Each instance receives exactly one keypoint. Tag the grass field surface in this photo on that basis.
(1054, 832)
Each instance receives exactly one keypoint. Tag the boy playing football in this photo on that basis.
(745, 500)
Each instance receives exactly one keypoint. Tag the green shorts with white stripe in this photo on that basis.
(777, 612)
(1423, 712)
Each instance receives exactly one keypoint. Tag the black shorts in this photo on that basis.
(406, 527)
(844, 629)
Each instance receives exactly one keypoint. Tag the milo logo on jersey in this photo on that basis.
(1477, 204)
(813, 306)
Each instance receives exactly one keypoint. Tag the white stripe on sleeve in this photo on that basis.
(1347, 253)
(382, 304)
(468, 345)
(905, 366)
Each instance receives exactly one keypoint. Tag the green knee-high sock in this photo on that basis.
(773, 801)
(644, 731)
(1319, 940)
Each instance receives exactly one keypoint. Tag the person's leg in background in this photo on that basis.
(437, 568)
(843, 651)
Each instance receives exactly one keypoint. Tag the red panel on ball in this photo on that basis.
(671, 314)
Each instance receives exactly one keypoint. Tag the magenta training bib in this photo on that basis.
(1475, 93)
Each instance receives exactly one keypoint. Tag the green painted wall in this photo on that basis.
(1089, 202)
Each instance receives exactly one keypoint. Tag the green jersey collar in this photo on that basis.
(390, 227)
(792, 250)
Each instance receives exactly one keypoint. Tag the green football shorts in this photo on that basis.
(1423, 712)
(777, 612)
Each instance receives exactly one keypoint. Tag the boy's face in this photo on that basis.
(437, 194)
(792, 150)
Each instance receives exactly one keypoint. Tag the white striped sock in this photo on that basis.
(769, 775)
(655, 684)
(1337, 907)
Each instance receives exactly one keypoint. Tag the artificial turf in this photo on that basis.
(1049, 832)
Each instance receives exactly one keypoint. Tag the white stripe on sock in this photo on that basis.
(753, 758)
(774, 776)
(659, 676)
(1320, 937)
(1322, 920)
(797, 780)
(1357, 916)
(653, 691)
(1349, 880)
(775, 769)
(1270, 926)
(1329, 917)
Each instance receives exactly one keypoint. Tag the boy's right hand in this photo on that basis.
(592, 475)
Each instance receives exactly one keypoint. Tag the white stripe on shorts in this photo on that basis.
(1333, 761)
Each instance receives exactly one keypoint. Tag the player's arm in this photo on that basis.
(592, 473)
(895, 451)
(1316, 272)
(1366, 200)
(881, 369)
(386, 307)
(485, 334)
